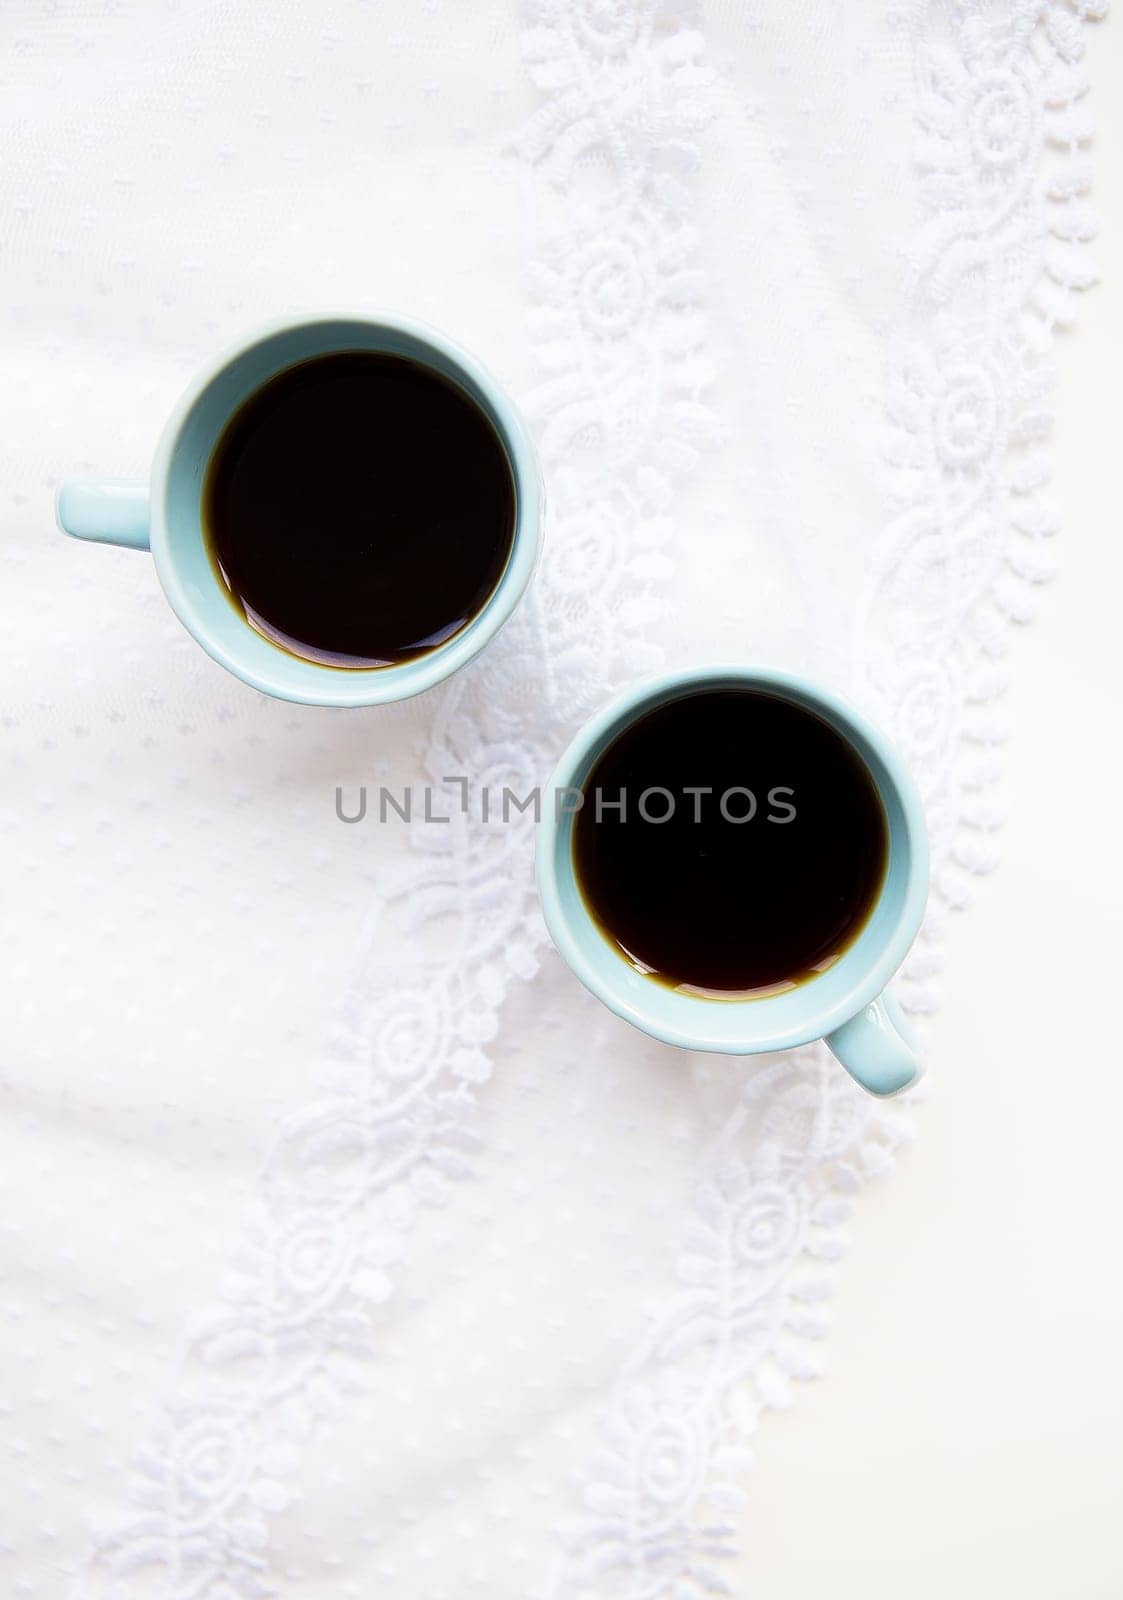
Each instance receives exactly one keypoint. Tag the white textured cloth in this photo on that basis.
(346, 1246)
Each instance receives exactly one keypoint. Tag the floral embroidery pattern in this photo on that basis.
(664, 1490)
(999, 262)
(1001, 258)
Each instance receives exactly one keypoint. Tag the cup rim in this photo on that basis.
(332, 686)
(596, 975)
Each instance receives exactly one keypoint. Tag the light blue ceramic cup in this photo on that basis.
(847, 1005)
(164, 515)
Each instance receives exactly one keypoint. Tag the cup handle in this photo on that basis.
(104, 511)
(878, 1048)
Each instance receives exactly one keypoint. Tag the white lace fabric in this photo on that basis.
(503, 1306)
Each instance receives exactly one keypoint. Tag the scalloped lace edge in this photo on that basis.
(997, 88)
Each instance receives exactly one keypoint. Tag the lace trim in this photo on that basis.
(619, 336)
(1000, 258)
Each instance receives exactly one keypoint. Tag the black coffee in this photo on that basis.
(752, 885)
(360, 509)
